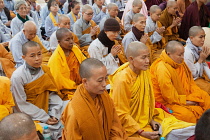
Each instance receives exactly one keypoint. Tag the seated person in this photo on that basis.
(9, 4)
(4, 41)
(104, 47)
(6, 33)
(197, 14)
(35, 92)
(182, 6)
(74, 13)
(32, 13)
(91, 114)
(99, 11)
(6, 99)
(155, 31)
(85, 28)
(18, 126)
(64, 63)
(51, 22)
(7, 64)
(174, 86)
(195, 57)
(128, 20)
(63, 22)
(5, 14)
(28, 33)
(170, 21)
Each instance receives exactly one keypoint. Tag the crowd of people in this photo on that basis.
(130, 70)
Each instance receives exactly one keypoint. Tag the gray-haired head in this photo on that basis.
(137, 16)
(171, 3)
(172, 46)
(111, 5)
(19, 3)
(154, 8)
(134, 48)
(86, 7)
(28, 45)
(61, 17)
(195, 30)
(60, 33)
(136, 3)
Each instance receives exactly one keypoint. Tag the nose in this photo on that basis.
(104, 83)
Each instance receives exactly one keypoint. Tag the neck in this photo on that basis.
(1, 9)
(153, 20)
(66, 51)
(24, 17)
(93, 96)
(54, 13)
(134, 69)
(199, 4)
(112, 16)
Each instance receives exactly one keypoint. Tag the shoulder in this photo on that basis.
(18, 73)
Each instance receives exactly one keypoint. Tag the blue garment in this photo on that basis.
(9, 4)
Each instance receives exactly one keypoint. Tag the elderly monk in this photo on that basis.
(18, 126)
(170, 20)
(7, 64)
(6, 99)
(195, 57)
(155, 31)
(35, 91)
(64, 64)
(85, 28)
(182, 6)
(197, 14)
(28, 33)
(91, 114)
(128, 19)
(63, 22)
(174, 86)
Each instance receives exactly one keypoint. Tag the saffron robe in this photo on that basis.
(66, 71)
(182, 6)
(173, 86)
(91, 119)
(6, 99)
(194, 17)
(7, 62)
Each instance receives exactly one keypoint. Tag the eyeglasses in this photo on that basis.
(89, 14)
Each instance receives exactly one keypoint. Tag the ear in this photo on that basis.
(24, 31)
(59, 41)
(23, 56)
(130, 59)
(84, 81)
(191, 37)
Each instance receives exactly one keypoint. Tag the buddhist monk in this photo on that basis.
(174, 86)
(7, 64)
(155, 31)
(182, 6)
(35, 91)
(64, 64)
(28, 33)
(171, 22)
(99, 11)
(91, 114)
(6, 99)
(195, 57)
(18, 126)
(197, 14)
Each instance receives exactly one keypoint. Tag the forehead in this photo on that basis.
(143, 52)
(140, 19)
(89, 11)
(33, 49)
(158, 11)
(179, 49)
(66, 35)
(98, 72)
(22, 5)
(65, 19)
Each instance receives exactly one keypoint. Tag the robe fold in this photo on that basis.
(6, 100)
(173, 86)
(182, 6)
(65, 70)
(91, 119)
(6, 61)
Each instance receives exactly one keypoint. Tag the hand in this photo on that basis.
(191, 103)
(144, 38)
(204, 54)
(8, 23)
(160, 30)
(116, 49)
(155, 125)
(103, 9)
(52, 121)
(93, 30)
(5, 44)
(175, 22)
(150, 135)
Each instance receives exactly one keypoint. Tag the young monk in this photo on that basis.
(35, 91)
(131, 91)
(74, 15)
(174, 86)
(99, 11)
(91, 113)
(63, 22)
(85, 28)
(155, 31)
(28, 33)
(6, 99)
(195, 57)
(64, 64)
(128, 20)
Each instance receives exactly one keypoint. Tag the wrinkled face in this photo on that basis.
(88, 15)
(137, 9)
(54, 7)
(199, 39)
(76, 9)
(96, 84)
(99, 3)
(65, 23)
(30, 33)
(178, 55)
(173, 9)
(1, 4)
(112, 35)
(66, 42)
(156, 16)
(22, 11)
(140, 24)
(141, 62)
(113, 12)
(33, 56)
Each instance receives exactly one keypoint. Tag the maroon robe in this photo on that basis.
(149, 3)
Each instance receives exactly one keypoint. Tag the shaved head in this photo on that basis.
(195, 30)
(172, 46)
(111, 5)
(137, 16)
(86, 7)
(62, 17)
(136, 3)
(154, 8)
(15, 126)
(29, 25)
(60, 33)
(88, 65)
(28, 45)
(171, 3)
(134, 48)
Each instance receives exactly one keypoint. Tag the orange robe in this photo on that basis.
(65, 70)
(182, 6)
(173, 85)
(6, 98)
(7, 61)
